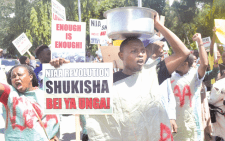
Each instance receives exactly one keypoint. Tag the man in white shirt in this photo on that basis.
(154, 50)
(186, 83)
(138, 110)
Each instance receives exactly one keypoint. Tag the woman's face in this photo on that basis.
(21, 79)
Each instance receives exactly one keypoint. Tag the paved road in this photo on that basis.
(67, 127)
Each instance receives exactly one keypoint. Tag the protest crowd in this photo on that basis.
(157, 96)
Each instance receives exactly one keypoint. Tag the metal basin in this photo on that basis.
(130, 22)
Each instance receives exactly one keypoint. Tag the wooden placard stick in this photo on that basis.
(77, 122)
(215, 49)
(77, 117)
(29, 53)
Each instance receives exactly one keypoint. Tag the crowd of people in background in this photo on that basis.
(183, 92)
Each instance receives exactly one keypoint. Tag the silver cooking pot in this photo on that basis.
(130, 22)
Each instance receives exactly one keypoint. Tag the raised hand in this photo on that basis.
(57, 62)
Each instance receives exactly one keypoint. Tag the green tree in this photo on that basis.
(39, 29)
(16, 25)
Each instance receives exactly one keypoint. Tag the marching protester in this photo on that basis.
(30, 62)
(89, 57)
(154, 51)
(1, 54)
(43, 53)
(217, 109)
(138, 111)
(98, 54)
(222, 66)
(24, 103)
(211, 74)
(186, 83)
(221, 61)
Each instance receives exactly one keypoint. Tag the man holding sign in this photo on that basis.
(138, 111)
(43, 53)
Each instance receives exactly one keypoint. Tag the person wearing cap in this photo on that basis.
(154, 50)
(186, 83)
(138, 113)
(1, 54)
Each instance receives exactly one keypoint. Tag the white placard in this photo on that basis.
(206, 42)
(68, 40)
(58, 11)
(78, 88)
(22, 43)
(98, 31)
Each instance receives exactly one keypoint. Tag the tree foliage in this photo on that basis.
(39, 30)
(33, 17)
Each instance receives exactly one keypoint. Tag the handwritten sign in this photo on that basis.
(22, 43)
(58, 11)
(68, 40)
(98, 31)
(81, 88)
(206, 42)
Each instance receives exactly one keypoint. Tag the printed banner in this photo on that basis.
(58, 11)
(78, 88)
(68, 40)
(98, 31)
(206, 42)
(22, 43)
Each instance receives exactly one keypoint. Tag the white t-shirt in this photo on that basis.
(184, 88)
(168, 99)
(217, 98)
(138, 114)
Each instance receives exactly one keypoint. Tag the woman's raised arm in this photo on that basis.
(2, 88)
